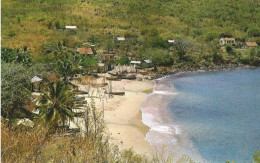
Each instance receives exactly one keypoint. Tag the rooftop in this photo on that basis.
(85, 51)
(120, 38)
(35, 79)
(251, 44)
(135, 62)
(228, 39)
(70, 27)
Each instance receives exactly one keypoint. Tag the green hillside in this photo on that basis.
(33, 22)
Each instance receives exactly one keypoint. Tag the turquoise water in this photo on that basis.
(219, 112)
(210, 116)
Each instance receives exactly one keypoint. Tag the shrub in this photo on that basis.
(254, 32)
(123, 61)
(229, 49)
(11, 33)
(57, 25)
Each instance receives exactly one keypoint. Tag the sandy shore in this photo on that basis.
(123, 115)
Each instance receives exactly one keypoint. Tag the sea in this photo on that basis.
(207, 116)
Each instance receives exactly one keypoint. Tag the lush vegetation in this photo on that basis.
(197, 25)
(35, 42)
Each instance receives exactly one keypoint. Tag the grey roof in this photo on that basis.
(36, 79)
(148, 61)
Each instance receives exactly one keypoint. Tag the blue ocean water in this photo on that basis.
(219, 112)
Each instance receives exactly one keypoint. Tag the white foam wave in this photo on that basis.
(165, 92)
(166, 129)
(155, 125)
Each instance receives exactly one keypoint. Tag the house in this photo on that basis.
(147, 63)
(107, 57)
(250, 44)
(102, 67)
(120, 38)
(171, 41)
(136, 62)
(224, 41)
(36, 83)
(85, 51)
(70, 27)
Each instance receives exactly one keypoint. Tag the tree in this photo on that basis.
(229, 49)
(123, 61)
(16, 86)
(158, 57)
(16, 55)
(256, 157)
(56, 104)
(89, 64)
(254, 32)
(181, 46)
(66, 69)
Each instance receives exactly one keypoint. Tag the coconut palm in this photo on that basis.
(56, 104)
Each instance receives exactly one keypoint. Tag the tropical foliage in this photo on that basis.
(56, 104)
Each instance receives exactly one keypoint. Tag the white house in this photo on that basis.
(70, 27)
(135, 62)
(120, 38)
(224, 41)
(171, 41)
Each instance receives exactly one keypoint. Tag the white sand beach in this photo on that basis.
(123, 115)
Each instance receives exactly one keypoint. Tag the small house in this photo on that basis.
(107, 57)
(224, 41)
(136, 62)
(102, 67)
(36, 83)
(250, 44)
(147, 63)
(85, 51)
(121, 38)
(70, 27)
(171, 41)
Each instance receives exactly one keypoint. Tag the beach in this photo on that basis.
(123, 115)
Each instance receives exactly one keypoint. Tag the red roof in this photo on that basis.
(30, 106)
(85, 51)
(52, 78)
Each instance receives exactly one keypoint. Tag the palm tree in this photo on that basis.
(56, 104)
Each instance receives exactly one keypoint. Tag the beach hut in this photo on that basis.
(36, 83)
(147, 63)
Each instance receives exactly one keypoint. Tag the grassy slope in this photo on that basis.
(29, 20)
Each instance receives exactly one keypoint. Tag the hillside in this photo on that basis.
(32, 22)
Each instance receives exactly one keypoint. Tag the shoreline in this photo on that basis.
(123, 116)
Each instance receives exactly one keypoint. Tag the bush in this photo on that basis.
(11, 33)
(57, 25)
(254, 32)
(229, 49)
(123, 61)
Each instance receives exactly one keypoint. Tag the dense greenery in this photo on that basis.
(35, 42)
(56, 104)
(144, 24)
